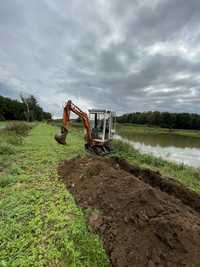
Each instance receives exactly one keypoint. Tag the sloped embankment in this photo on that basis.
(144, 219)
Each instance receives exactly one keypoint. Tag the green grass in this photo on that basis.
(3, 124)
(40, 224)
(188, 176)
(11, 136)
(127, 129)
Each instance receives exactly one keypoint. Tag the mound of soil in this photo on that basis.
(143, 221)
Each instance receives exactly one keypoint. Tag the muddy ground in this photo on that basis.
(143, 218)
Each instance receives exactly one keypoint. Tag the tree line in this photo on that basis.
(28, 109)
(163, 119)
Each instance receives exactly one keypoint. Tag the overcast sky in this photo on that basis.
(130, 55)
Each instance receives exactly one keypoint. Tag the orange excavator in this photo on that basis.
(99, 128)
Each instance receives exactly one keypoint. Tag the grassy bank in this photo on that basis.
(40, 225)
(188, 176)
(127, 130)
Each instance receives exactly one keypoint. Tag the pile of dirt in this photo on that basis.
(142, 222)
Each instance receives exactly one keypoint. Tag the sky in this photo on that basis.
(128, 56)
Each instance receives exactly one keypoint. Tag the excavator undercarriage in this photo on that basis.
(99, 126)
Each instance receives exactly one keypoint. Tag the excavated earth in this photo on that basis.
(144, 219)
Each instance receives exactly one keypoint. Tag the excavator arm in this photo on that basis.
(70, 107)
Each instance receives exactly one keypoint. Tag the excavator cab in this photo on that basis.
(102, 126)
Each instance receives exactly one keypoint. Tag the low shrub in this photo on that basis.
(7, 149)
(14, 140)
(19, 128)
(10, 138)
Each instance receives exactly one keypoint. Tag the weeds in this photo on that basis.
(6, 180)
(6, 149)
(11, 137)
(19, 128)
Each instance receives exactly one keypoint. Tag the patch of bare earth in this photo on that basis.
(144, 219)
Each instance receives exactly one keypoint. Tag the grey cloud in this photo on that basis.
(100, 53)
(160, 21)
(7, 91)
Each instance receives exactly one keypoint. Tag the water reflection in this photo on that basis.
(165, 140)
(187, 153)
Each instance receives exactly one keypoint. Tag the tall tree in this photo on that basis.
(163, 119)
(24, 100)
(28, 110)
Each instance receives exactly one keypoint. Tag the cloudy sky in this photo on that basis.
(130, 55)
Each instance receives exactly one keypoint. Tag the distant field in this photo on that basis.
(127, 129)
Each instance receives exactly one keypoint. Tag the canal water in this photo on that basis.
(176, 148)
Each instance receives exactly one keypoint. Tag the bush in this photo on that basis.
(19, 128)
(13, 139)
(6, 149)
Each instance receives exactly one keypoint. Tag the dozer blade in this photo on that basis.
(61, 138)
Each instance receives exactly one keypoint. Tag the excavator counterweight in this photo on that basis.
(99, 128)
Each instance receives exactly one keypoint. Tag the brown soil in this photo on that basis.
(144, 219)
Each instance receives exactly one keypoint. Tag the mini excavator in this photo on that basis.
(99, 128)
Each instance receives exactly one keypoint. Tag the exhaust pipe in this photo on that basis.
(61, 137)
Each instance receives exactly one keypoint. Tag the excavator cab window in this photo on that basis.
(102, 124)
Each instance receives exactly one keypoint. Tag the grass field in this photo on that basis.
(3, 124)
(40, 224)
(127, 129)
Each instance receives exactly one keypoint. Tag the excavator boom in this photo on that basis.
(61, 138)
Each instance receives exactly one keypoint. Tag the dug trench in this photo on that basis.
(144, 219)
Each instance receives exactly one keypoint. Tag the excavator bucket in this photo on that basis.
(61, 137)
